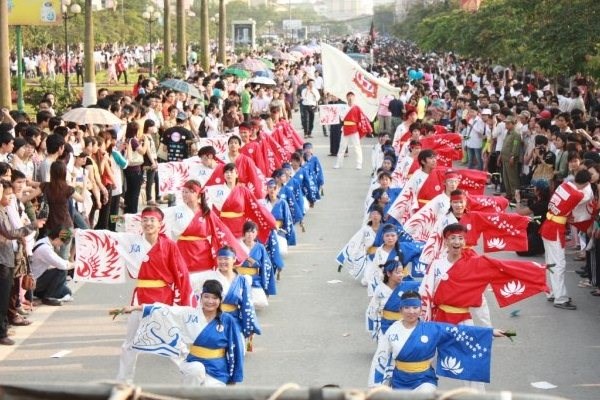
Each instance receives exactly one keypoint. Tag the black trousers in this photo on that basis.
(308, 118)
(52, 284)
(134, 179)
(104, 215)
(6, 283)
(335, 135)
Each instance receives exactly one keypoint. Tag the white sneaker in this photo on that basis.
(358, 167)
(67, 298)
(336, 167)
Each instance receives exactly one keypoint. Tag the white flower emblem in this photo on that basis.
(469, 227)
(420, 268)
(512, 288)
(444, 277)
(496, 243)
(424, 339)
(453, 365)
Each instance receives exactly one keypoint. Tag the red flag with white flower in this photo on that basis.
(501, 231)
(491, 204)
(515, 280)
(472, 181)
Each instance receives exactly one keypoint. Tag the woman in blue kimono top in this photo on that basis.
(207, 339)
(405, 353)
(237, 300)
(360, 250)
(286, 193)
(395, 282)
(300, 172)
(313, 165)
(389, 250)
(281, 212)
(258, 266)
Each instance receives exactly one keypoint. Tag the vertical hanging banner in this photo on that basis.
(34, 12)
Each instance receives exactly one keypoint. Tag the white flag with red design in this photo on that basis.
(341, 75)
(105, 256)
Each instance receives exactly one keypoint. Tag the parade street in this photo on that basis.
(314, 329)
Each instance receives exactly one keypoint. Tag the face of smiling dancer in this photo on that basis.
(455, 242)
(458, 207)
(225, 264)
(151, 225)
(210, 302)
(410, 314)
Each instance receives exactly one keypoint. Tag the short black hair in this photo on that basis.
(54, 143)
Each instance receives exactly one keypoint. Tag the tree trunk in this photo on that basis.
(181, 44)
(221, 55)
(167, 36)
(5, 100)
(204, 47)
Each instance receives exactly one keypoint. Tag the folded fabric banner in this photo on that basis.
(103, 256)
(341, 74)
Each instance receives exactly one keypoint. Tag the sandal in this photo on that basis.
(20, 321)
(585, 283)
(595, 292)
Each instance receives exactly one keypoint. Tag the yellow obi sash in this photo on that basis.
(190, 238)
(453, 310)
(391, 315)
(247, 270)
(226, 307)
(150, 283)
(413, 367)
(556, 218)
(371, 250)
(204, 352)
(423, 201)
(349, 123)
(231, 214)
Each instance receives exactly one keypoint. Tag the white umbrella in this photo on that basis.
(97, 116)
(262, 80)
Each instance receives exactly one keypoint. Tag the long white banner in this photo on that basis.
(341, 75)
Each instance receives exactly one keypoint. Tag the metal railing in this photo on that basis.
(289, 391)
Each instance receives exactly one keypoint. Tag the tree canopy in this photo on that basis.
(554, 37)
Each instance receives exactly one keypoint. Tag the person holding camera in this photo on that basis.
(542, 162)
(535, 206)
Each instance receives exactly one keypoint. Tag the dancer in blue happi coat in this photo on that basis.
(286, 193)
(313, 165)
(237, 298)
(405, 353)
(258, 266)
(208, 340)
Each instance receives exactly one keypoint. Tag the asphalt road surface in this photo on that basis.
(314, 331)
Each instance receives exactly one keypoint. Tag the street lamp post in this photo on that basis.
(269, 25)
(69, 11)
(151, 16)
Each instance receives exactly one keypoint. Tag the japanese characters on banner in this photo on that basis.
(341, 75)
(332, 114)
